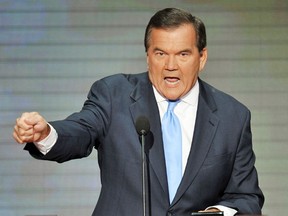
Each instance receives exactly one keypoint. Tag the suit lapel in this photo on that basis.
(145, 105)
(205, 129)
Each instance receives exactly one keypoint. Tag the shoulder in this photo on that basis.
(120, 83)
(125, 78)
(220, 99)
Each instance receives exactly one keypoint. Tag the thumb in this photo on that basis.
(40, 126)
(40, 131)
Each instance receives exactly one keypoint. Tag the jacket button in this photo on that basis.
(169, 214)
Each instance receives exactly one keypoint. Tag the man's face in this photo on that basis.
(174, 61)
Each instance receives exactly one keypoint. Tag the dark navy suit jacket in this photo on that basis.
(220, 168)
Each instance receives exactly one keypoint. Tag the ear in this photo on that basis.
(203, 58)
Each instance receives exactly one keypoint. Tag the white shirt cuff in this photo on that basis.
(45, 145)
(227, 211)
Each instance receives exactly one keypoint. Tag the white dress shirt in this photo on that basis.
(186, 111)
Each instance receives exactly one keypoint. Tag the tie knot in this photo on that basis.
(172, 104)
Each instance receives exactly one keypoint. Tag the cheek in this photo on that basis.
(155, 77)
(152, 74)
(190, 73)
(155, 62)
(155, 69)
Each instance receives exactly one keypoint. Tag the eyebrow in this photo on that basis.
(185, 50)
(188, 50)
(158, 49)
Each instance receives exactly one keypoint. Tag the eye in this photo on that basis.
(160, 53)
(184, 54)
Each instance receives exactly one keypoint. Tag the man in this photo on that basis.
(217, 159)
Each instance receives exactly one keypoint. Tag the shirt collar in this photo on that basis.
(191, 97)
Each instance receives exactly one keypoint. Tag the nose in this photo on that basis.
(171, 63)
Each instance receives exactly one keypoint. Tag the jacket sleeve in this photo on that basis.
(81, 131)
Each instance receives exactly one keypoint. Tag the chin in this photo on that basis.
(172, 97)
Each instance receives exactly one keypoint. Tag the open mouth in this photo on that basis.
(172, 80)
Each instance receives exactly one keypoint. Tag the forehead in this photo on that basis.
(184, 35)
